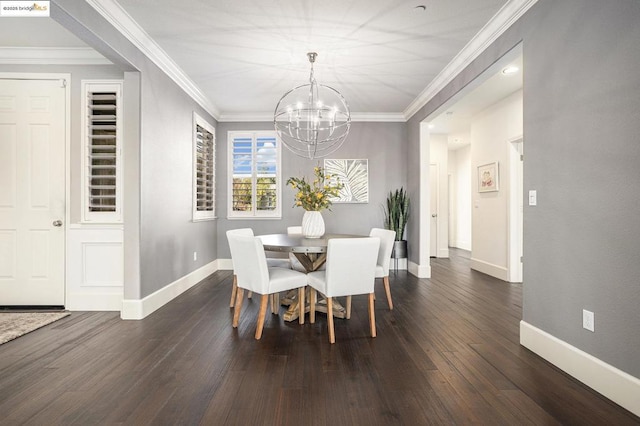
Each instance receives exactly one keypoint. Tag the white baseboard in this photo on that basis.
(615, 384)
(420, 271)
(92, 301)
(139, 309)
(464, 245)
(497, 271)
(443, 253)
(225, 265)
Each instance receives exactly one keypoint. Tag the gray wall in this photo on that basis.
(582, 153)
(383, 144)
(167, 236)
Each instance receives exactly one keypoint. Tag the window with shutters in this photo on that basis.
(101, 168)
(254, 175)
(204, 168)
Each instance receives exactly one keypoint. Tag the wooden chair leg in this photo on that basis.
(348, 307)
(387, 290)
(301, 291)
(234, 291)
(238, 308)
(275, 303)
(332, 335)
(312, 305)
(372, 315)
(264, 302)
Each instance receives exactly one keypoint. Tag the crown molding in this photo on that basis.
(123, 22)
(51, 56)
(246, 117)
(497, 25)
(383, 117)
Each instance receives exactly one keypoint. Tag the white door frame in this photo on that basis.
(65, 78)
(515, 148)
(433, 230)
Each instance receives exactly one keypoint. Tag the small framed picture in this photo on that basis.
(488, 177)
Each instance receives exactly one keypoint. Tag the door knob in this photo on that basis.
(434, 215)
(57, 223)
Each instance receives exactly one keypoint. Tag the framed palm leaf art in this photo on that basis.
(354, 175)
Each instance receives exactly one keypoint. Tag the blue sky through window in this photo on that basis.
(265, 156)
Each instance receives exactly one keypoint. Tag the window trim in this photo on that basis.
(98, 86)
(202, 215)
(253, 214)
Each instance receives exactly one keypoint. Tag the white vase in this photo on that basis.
(312, 224)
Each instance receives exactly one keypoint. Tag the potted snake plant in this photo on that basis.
(396, 215)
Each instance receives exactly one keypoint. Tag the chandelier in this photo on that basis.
(312, 119)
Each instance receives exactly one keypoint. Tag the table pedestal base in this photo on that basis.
(292, 313)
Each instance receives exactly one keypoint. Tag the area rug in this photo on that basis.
(16, 324)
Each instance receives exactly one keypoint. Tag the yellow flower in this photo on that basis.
(315, 194)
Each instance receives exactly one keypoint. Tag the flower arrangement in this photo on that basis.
(315, 196)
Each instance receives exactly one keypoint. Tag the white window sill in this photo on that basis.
(204, 219)
(254, 217)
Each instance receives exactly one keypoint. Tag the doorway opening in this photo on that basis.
(489, 224)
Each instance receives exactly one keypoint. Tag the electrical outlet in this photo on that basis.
(195, 256)
(588, 320)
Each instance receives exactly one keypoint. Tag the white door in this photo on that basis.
(32, 192)
(433, 175)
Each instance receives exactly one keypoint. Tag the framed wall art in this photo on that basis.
(488, 177)
(354, 175)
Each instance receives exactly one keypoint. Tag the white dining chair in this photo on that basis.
(253, 274)
(387, 237)
(271, 262)
(351, 269)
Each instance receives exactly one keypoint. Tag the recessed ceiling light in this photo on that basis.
(511, 69)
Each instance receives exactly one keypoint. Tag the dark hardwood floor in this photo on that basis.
(447, 354)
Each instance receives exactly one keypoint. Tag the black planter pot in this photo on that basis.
(399, 250)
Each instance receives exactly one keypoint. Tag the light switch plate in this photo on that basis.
(533, 197)
(588, 320)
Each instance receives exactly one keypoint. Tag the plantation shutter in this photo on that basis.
(266, 176)
(204, 169)
(242, 181)
(102, 152)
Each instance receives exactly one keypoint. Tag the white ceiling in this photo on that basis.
(455, 117)
(244, 54)
(36, 32)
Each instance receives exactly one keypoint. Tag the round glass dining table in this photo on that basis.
(312, 254)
